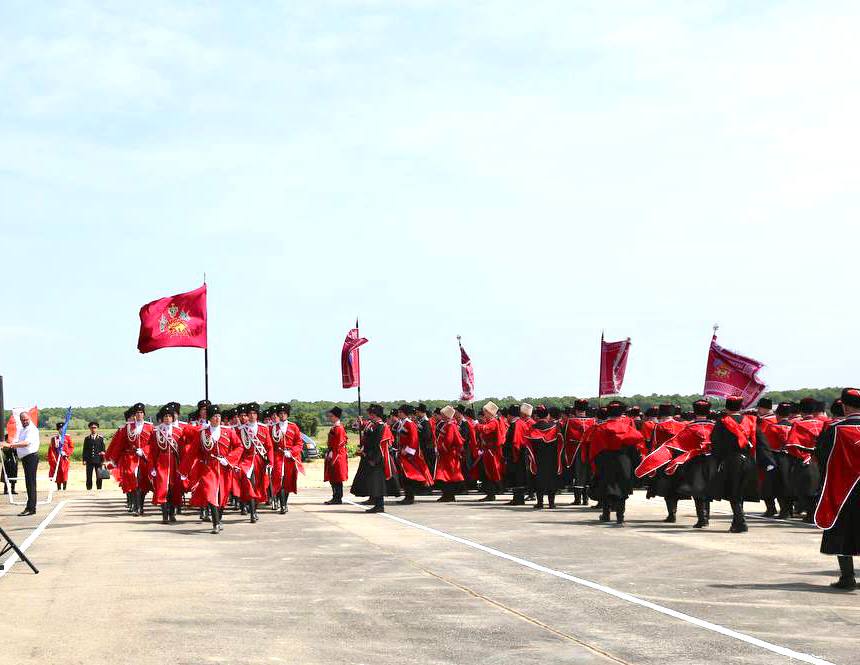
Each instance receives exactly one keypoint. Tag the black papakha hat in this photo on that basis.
(666, 410)
(138, 407)
(734, 403)
(91, 423)
(701, 407)
(837, 408)
(615, 409)
(214, 410)
(851, 397)
(808, 406)
(202, 403)
(580, 404)
(336, 411)
(241, 408)
(421, 407)
(765, 403)
(784, 409)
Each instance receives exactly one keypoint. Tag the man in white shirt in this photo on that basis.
(27, 447)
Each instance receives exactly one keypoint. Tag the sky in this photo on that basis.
(525, 175)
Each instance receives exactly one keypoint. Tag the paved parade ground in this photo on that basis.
(430, 583)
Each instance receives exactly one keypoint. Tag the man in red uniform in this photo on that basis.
(210, 466)
(575, 452)
(287, 448)
(516, 457)
(414, 469)
(128, 452)
(776, 483)
(336, 461)
(255, 461)
(490, 466)
(661, 484)
(805, 473)
(164, 460)
(449, 447)
(613, 451)
(59, 454)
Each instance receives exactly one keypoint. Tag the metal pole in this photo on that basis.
(206, 350)
(357, 334)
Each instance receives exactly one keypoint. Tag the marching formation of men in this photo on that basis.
(245, 458)
(216, 458)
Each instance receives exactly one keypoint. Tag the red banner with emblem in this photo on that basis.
(178, 320)
(729, 373)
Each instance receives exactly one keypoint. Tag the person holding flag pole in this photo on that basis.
(60, 453)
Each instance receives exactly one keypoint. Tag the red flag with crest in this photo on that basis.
(613, 365)
(350, 369)
(729, 373)
(467, 375)
(178, 320)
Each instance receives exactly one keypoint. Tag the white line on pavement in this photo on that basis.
(13, 558)
(635, 600)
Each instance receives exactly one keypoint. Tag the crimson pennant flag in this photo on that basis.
(467, 375)
(613, 365)
(178, 320)
(350, 369)
(729, 373)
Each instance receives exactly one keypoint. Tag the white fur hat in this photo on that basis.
(491, 408)
(526, 409)
(447, 411)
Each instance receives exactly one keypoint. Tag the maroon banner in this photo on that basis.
(178, 320)
(729, 373)
(613, 365)
(349, 362)
(467, 375)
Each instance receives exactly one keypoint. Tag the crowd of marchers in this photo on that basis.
(800, 460)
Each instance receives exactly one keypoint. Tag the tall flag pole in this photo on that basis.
(728, 373)
(613, 366)
(350, 365)
(467, 375)
(206, 353)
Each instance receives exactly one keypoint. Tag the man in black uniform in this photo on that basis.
(370, 477)
(425, 436)
(734, 448)
(838, 510)
(94, 455)
(10, 469)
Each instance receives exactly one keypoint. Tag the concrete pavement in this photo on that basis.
(329, 584)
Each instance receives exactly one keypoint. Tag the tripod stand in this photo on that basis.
(10, 545)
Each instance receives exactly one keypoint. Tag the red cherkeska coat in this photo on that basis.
(491, 440)
(210, 481)
(409, 453)
(662, 432)
(165, 450)
(449, 448)
(336, 461)
(256, 456)
(54, 455)
(287, 448)
(574, 430)
(130, 469)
